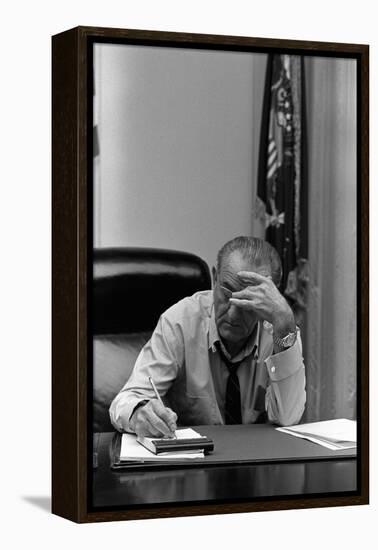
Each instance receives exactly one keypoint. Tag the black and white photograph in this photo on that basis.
(224, 320)
(189, 274)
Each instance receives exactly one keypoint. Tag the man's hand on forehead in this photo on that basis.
(243, 279)
(260, 295)
(253, 277)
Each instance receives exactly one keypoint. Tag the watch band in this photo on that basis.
(287, 341)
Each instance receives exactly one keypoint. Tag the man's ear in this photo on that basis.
(214, 273)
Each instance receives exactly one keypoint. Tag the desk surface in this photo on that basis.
(313, 471)
(258, 443)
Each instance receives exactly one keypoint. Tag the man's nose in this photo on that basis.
(233, 311)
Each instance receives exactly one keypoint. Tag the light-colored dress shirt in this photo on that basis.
(184, 360)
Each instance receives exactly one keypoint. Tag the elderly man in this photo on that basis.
(230, 355)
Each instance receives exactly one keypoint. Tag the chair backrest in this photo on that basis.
(132, 287)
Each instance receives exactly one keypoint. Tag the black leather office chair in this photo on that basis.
(131, 288)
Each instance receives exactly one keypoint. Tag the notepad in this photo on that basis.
(335, 434)
(185, 440)
(134, 451)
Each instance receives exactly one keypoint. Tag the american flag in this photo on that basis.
(282, 195)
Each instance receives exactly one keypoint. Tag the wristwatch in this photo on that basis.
(287, 341)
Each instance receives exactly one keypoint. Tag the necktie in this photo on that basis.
(233, 402)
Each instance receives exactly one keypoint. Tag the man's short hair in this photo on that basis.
(257, 251)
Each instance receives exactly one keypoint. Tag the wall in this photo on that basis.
(178, 136)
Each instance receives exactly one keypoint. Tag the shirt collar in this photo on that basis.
(214, 338)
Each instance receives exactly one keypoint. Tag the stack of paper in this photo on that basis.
(332, 434)
(133, 451)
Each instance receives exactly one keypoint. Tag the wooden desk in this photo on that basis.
(312, 475)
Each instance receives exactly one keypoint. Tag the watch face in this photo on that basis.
(289, 339)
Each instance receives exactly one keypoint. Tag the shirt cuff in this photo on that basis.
(285, 363)
(140, 404)
(122, 409)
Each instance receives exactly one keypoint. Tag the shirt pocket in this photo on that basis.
(198, 383)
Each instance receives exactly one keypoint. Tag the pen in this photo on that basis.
(155, 390)
(157, 394)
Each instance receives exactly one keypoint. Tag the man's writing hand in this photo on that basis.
(154, 420)
(263, 297)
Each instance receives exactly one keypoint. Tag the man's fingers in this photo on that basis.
(172, 422)
(149, 423)
(146, 429)
(245, 294)
(159, 427)
(253, 277)
(155, 420)
(243, 304)
(166, 414)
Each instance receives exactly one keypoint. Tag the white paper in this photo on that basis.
(187, 433)
(313, 439)
(335, 434)
(134, 451)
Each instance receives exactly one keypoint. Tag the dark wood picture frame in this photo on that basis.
(72, 218)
